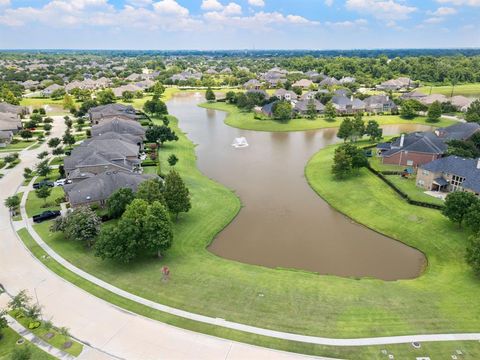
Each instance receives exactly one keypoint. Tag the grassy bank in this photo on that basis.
(246, 120)
(465, 90)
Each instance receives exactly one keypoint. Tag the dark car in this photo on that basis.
(43, 183)
(46, 215)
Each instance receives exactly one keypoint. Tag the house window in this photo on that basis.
(409, 162)
(421, 182)
(457, 182)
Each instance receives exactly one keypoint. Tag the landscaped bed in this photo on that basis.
(246, 120)
(8, 343)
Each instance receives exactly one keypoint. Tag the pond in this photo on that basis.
(283, 222)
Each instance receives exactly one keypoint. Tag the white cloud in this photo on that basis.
(170, 7)
(140, 3)
(381, 9)
(461, 2)
(4, 3)
(232, 9)
(211, 5)
(259, 3)
(329, 2)
(443, 11)
(433, 20)
(359, 23)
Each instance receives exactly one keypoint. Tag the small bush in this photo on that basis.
(34, 325)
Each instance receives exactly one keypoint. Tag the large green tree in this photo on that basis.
(210, 95)
(12, 203)
(373, 130)
(457, 205)
(151, 191)
(118, 202)
(472, 254)
(282, 111)
(43, 192)
(82, 224)
(160, 133)
(330, 112)
(473, 112)
(176, 193)
(345, 130)
(434, 112)
(105, 97)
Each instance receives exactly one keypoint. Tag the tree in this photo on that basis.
(408, 110)
(177, 195)
(82, 224)
(128, 96)
(27, 173)
(158, 88)
(142, 228)
(68, 139)
(172, 160)
(434, 112)
(118, 202)
(230, 97)
(58, 151)
(457, 205)
(150, 191)
(68, 102)
(160, 134)
(330, 112)
(373, 130)
(53, 142)
(210, 95)
(311, 109)
(12, 203)
(472, 217)
(155, 106)
(25, 134)
(105, 97)
(42, 155)
(472, 254)
(358, 127)
(19, 301)
(68, 122)
(3, 322)
(345, 130)
(43, 168)
(282, 110)
(47, 127)
(342, 163)
(57, 94)
(33, 311)
(473, 112)
(43, 192)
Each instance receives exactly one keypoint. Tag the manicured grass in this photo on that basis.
(8, 345)
(376, 163)
(57, 341)
(409, 187)
(246, 120)
(20, 145)
(35, 206)
(464, 89)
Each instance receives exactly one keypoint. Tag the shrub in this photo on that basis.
(34, 325)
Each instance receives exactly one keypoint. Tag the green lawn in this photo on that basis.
(409, 187)
(56, 341)
(465, 90)
(442, 300)
(246, 120)
(376, 163)
(20, 145)
(35, 206)
(8, 344)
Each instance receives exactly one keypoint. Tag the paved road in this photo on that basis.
(117, 333)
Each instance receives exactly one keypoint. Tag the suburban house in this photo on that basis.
(304, 83)
(309, 95)
(10, 122)
(461, 103)
(348, 105)
(13, 109)
(261, 92)
(187, 75)
(136, 140)
(119, 126)
(302, 106)
(49, 90)
(379, 103)
(413, 95)
(347, 80)
(430, 99)
(314, 75)
(133, 88)
(97, 189)
(420, 148)
(275, 76)
(112, 147)
(267, 109)
(287, 95)
(252, 84)
(400, 83)
(329, 81)
(106, 113)
(450, 173)
(6, 138)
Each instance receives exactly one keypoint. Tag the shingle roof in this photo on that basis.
(100, 187)
(423, 142)
(119, 126)
(467, 168)
(460, 131)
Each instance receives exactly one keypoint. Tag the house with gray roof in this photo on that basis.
(252, 84)
(106, 113)
(400, 83)
(129, 138)
(286, 95)
(379, 104)
(97, 189)
(6, 138)
(449, 174)
(302, 106)
(10, 122)
(49, 90)
(13, 109)
(348, 105)
(119, 126)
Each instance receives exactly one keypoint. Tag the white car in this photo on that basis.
(62, 182)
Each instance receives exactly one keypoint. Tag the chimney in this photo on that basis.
(351, 97)
(478, 164)
(388, 98)
(402, 140)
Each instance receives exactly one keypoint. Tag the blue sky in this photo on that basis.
(239, 24)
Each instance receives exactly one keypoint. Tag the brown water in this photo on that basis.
(284, 223)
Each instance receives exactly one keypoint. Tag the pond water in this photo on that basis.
(283, 222)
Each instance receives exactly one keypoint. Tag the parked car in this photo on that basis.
(43, 183)
(62, 182)
(46, 215)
